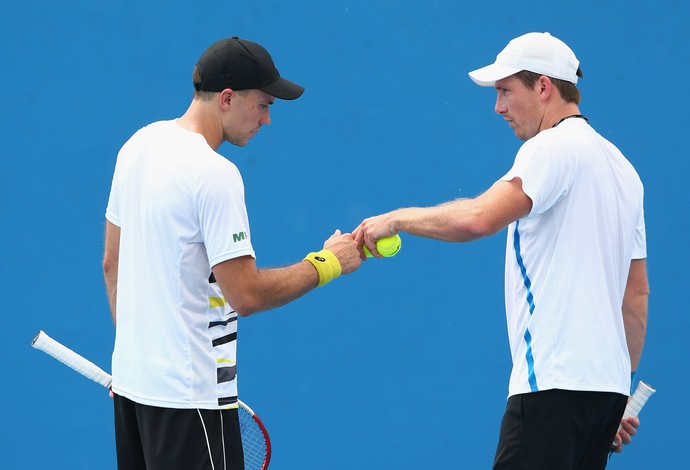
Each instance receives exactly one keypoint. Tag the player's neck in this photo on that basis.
(559, 115)
(197, 120)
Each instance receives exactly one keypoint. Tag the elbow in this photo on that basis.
(244, 312)
(472, 229)
(243, 301)
(246, 306)
(109, 265)
(475, 222)
(644, 292)
(637, 295)
(483, 229)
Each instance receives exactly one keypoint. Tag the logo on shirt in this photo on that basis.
(238, 237)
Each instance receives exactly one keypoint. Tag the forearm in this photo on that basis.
(635, 310)
(456, 221)
(111, 290)
(251, 290)
(635, 317)
(111, 259)
(276, 287)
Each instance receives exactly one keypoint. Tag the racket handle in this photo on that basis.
(71, 359)
(637, 401)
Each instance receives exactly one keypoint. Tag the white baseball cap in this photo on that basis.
(535, 52)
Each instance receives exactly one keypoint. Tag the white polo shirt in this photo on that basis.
(180, 207)
(567, 262)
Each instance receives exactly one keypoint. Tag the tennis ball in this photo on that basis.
(387, 246)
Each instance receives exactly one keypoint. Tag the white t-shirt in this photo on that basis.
(567, 262)
(180, 207)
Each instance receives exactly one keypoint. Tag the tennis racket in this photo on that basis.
(255, 440)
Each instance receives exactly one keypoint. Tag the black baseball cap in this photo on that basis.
(241, 65)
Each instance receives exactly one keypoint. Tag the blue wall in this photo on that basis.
(402, 365)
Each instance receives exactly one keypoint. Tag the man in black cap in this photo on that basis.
(179, 267)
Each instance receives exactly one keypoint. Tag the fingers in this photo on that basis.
(625, 434)
(359, 239)
(369, 232)
(337, 233)
(358, 234)
(628, 429)
(633, 422)
(346, 249)
(349, 256)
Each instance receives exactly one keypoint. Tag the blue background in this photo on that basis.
(402, 365)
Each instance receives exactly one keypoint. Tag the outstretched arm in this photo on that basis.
(461, 220)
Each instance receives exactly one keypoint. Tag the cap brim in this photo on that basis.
(284, 89)
(489, 75)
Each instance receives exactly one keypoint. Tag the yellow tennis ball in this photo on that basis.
(387, 246)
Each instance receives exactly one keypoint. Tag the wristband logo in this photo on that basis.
(326, 264)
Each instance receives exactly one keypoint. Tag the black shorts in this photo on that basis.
(558, 429)
(152, 438)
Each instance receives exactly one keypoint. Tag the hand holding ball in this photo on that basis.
(387, 246)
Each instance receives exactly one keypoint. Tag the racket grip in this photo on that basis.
(71, 359)
(636, 402)
(638, 399)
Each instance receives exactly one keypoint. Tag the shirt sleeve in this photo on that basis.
(546, 176)
(640, 241)
(112, 212)
(223, 215)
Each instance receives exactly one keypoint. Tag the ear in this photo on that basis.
(225, 98)
(545, 87)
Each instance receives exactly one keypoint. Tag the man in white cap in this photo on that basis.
(575, 276)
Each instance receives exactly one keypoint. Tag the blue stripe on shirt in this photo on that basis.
(530, 301)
